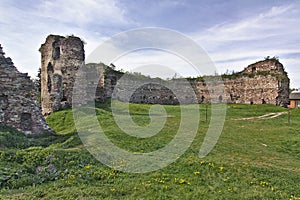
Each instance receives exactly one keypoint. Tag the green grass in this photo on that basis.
(253, 159)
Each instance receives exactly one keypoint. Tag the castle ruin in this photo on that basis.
(264, 82)
(61, 59)
(18, 100)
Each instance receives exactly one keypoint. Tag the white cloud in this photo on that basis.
(83, 12)
(25, 27)
(237, 44)
(232, 45)
(259, 26)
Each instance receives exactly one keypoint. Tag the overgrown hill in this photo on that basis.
(255, 158)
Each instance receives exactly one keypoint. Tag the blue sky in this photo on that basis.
(233, 33)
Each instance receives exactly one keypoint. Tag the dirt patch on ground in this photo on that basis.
(266, 116)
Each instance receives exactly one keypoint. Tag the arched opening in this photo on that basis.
(55, 52)
(220, 99)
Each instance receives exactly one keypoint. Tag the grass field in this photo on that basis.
(253, 159)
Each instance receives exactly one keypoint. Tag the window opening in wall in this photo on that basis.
(49, 83)
(220, 98)
(56, 53)
(50, 73)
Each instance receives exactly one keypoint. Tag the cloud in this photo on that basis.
(233, 40)
(234, 45)
(276, 21)
(83, 12)
(25, 26)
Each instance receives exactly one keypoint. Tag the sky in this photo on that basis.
(233, 33)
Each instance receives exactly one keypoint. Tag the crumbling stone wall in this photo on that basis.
(61, 58)
(18, 95)
(264, 82)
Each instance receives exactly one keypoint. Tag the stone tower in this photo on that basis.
(18, 95)
(61, 58)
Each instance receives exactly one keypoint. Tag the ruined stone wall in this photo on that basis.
(61, 58)
(153, 91)
(264, 82)
(18, 95)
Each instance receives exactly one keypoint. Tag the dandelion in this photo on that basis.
(202, 162)
(87, 167)
(197, 173)
(221, 169)
(112, 173)
(162, 181)
(264, 184)
(72, 176)
(159, 180)
(181, 181)
(211, 164)
(68, 182)
(230, 190)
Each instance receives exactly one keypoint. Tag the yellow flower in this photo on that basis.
(221, 169)
(112, 173)
(196, 173)
(165, 187)
(212, 165)
(68, 182)
(202, 162)
(181, 181)
(72, 176)
(160, 180)
(87, 167)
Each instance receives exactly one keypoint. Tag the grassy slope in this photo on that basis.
(254, 159)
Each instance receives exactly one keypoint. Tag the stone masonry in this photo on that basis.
(260, 86)
(61, 59)
(264, 82)
(18, 95)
